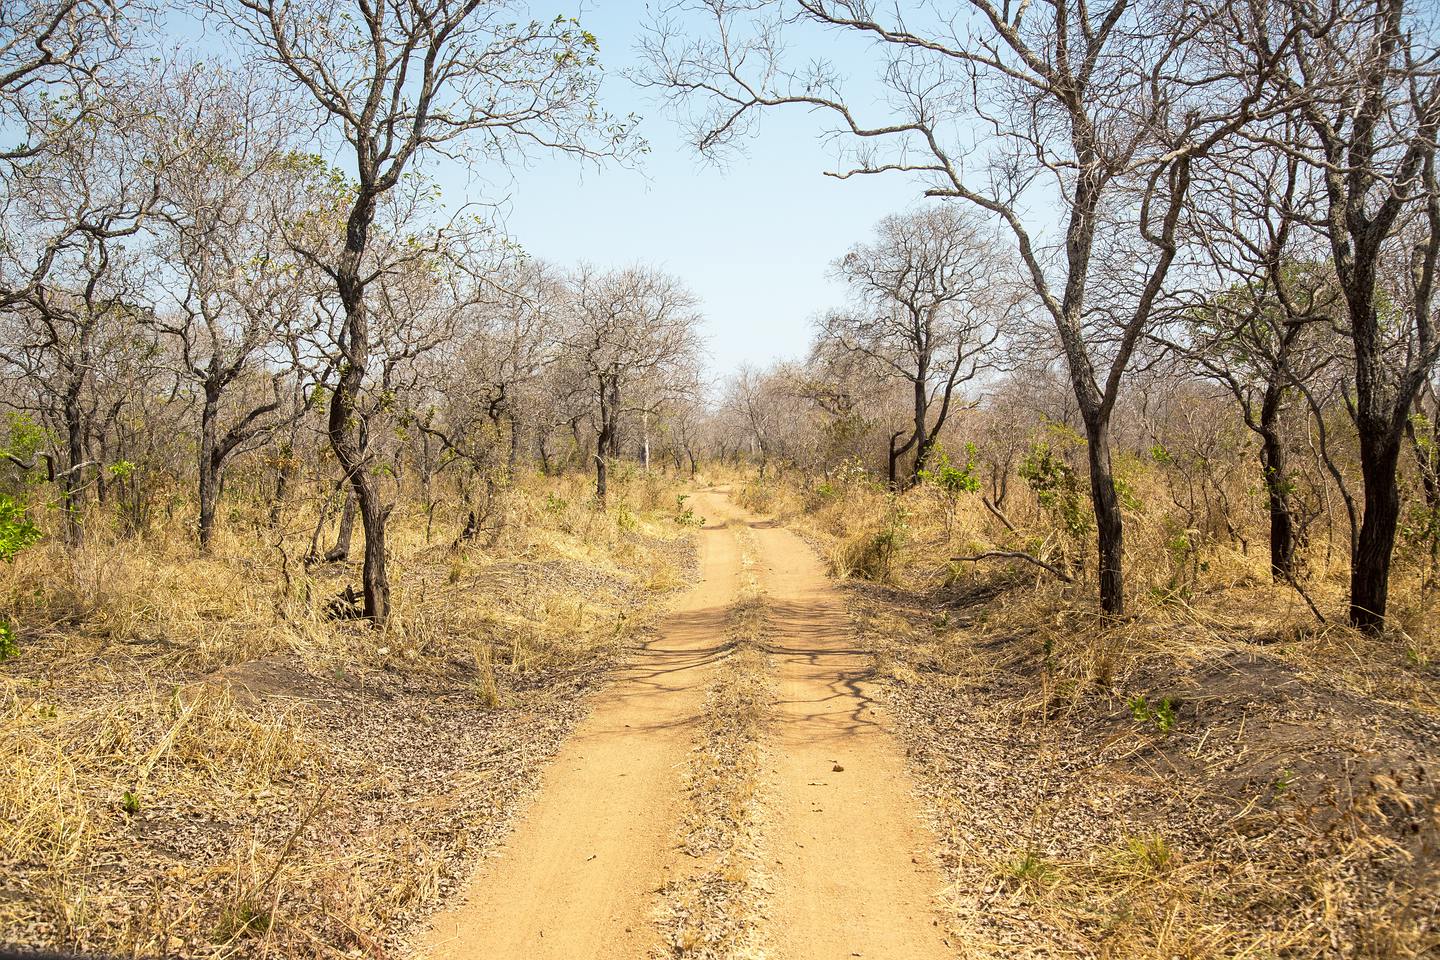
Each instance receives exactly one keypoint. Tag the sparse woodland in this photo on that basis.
(326, 511)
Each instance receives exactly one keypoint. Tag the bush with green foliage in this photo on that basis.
(1160, 715)
(17, 531)
(951, 479)
(1058, 489)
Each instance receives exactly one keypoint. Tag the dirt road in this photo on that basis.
(580, 876)
(854, 877)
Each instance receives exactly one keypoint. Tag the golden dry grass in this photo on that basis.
(1216, 775)
(196, 761)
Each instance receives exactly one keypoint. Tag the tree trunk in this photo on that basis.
(604, 444)
(209, 470)
(75, 456)
(341, 425)
(282, 484)
(613, 448)
(895, 454)
(1109, 525)
(341, 550)
(601, 474)
(1277, 488)
(579, 447)
(1370, 564)
(921, 440)
(209, 500)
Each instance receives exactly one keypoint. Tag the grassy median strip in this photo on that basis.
(710, 911)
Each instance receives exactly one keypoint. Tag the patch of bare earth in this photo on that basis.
(1150, 790)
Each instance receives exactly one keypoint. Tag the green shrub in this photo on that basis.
(1159, 715)
(1058, 489)
(17, 530)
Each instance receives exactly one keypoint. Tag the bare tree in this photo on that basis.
(1267, 334)
(1363, 77)
(1102, 110)
(929, 296)
(395, 84)
(53, 56)
(72, 284)
(234, 297)
(633, 341)
(750, 396)
(484, 384)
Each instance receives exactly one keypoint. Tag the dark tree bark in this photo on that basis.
(345, 532)
(604, 443)
(1109, 524)
(1277, 492)
(284, 474)
(210, 466)
(71, 479)
(346, 434)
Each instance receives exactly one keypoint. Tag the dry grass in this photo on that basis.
(710, 912)
(195, 761)
(1217, 775)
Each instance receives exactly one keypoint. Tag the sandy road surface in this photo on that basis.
(579, 876)
(854, 876)
(577, 879)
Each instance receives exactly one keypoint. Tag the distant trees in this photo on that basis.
(72, 282)
(1111, 114)
(183, 283)
(393, 86)
(631, 342)
(234, 301)
(1098, 110)
(929, 295)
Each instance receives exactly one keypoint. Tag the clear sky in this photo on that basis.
(753, 240)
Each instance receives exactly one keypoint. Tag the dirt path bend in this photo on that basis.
(854, 876)
(578, 878)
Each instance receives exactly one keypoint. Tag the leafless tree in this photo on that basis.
(233, 298)
(929, 296)
(484, 383)
(632, 340)
(751, 396)
(395, 83)
(1267, 333)
(1364, 78)
(54, 56)
(71, 281)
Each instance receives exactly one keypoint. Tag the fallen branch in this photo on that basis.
(998, 515)
(1018, 555)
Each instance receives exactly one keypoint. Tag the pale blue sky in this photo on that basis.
(753, 240)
